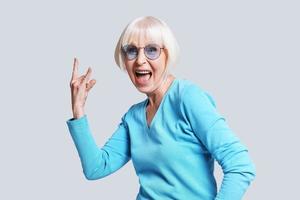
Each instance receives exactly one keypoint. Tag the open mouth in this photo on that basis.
(140, 73)
(142, 76)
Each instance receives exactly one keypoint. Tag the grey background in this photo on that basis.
(245, 53)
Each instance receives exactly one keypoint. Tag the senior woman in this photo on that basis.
(172, 137)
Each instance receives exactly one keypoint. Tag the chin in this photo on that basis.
(143, 89)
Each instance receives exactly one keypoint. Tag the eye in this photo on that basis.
(130, 49)
(152, 49)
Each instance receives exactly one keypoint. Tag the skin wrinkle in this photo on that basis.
(168, 166)
(160, 79)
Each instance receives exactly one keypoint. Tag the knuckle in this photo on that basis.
(75, 85)
(72, 84)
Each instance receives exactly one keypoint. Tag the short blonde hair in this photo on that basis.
(148, 27)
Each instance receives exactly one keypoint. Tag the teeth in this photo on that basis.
(142, 71)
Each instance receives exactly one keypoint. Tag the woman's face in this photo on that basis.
(146, 74)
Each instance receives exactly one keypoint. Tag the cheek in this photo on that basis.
(159, 66)
(128, 66)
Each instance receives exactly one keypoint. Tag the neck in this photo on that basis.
(156, 96)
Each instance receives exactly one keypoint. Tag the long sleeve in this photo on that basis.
(99, 162)
(212, 130)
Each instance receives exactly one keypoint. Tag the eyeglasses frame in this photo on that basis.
(138, 48)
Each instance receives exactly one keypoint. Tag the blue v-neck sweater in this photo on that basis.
(173, 156)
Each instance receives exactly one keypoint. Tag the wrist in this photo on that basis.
(78, 113)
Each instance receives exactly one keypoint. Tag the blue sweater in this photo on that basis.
(174, 156)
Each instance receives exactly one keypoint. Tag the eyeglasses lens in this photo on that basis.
(131, 52)
(151, 51)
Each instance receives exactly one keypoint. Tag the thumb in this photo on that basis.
(90, 85)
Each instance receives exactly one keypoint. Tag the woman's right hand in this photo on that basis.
(80, 86)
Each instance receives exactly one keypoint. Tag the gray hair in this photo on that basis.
(148, 27)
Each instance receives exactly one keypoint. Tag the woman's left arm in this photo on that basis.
(211, 128)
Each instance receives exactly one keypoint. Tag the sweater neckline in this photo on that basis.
(149, 127)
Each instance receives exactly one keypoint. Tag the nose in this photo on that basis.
(141, 59)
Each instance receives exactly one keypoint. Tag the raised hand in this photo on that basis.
(80, 86)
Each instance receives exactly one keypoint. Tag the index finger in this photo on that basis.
(75, 69)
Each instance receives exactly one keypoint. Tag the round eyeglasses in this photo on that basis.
(151, 51)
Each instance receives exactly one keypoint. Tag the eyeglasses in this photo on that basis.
(151, 51)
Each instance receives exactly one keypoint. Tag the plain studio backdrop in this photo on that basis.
(244, 53)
